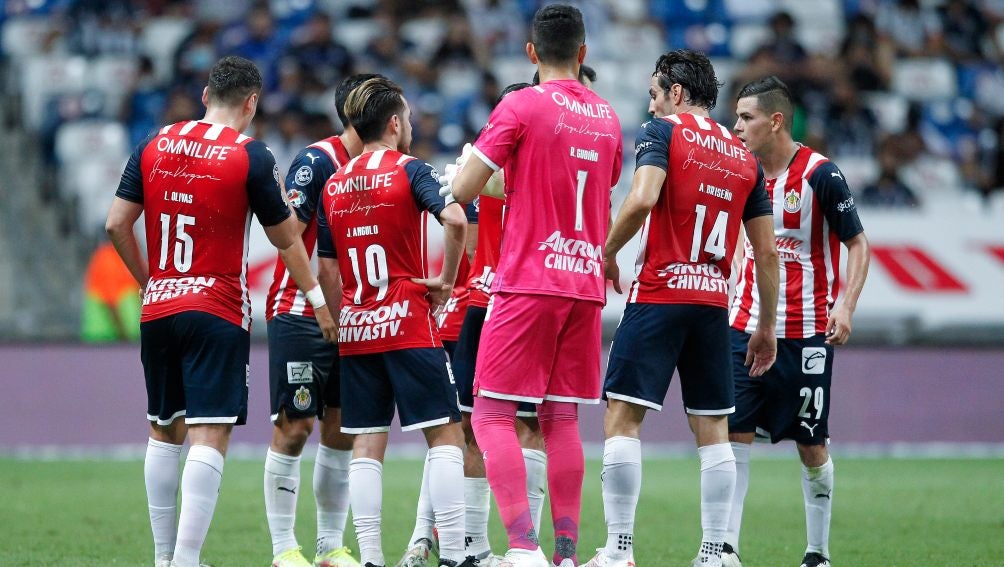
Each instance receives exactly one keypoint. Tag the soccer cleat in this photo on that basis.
(341, 557)
(602, 560)
(290, 558)
(489, 560)
(417, 555)
(566, 562)
(163, 561)
(524, 558)
(730, 558)
(815, 560)
(368, 564)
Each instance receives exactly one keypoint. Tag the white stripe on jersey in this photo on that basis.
(725, 132)
(214, 131)
(299, 303)
(165, 129)
(702, 122)
(375, 159)
(808, 274)
(188, 127)
(329, 149)
(538, 88)
(241, 138)
(351, 164)
(675, 118)
(485, 158)
(245, 292)
(403, 158)
(639, 261)
(280, 292)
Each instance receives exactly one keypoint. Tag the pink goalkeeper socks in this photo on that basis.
(494, 427)
(559, 422)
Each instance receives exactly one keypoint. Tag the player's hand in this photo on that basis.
(761, 352)
(446, 180)
(329, 328)
(439, 291)
(838, 328)
(612, 272)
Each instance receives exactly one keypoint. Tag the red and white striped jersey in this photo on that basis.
(813, 213)
(373, 221)
(451, 317)
(305, 181)
(198, 183)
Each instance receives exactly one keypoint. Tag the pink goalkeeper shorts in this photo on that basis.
(537, 347)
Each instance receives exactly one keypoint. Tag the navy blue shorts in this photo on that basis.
(792, 399)
(419, 380)
(196, 366)
(464, 359)
(654, 339)
(302, 368)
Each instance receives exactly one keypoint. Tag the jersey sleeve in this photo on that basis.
(325, 243)
(264, 194)
(473, 209)
(618, 164)
(835, 199)
(758, 202)
(425, 186)
(498, 138)
(131, 183)
(305, 180)
(651, 146)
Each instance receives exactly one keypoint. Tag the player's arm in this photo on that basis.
(651, 163)
(126, 208)
(471, 179)
(495, 144)
(834, 196)
(762, 348)
(304, 182)
(328, 272)
(425, 190)
(265, 195)
(471, 241)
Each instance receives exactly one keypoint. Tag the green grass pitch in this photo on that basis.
(886, 513)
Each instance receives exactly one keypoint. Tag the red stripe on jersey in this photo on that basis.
(793, 312)
(820, 297)
(997, 251)
(915, 270)
(746, 301)
(792, 192)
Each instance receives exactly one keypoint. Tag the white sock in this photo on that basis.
(331, 490)
(200, 488)
(282, 481)
(817, 489)
(425, 517)
(478, 502)
(621, 487)
(366, 496)
(446, 473)
(162, 474)
(718, 483)
(742, 454)
(536, 483)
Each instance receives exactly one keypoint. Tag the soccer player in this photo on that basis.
(198, 183)
(303, 372)
(694, 184)
(372, 233)
(813, 213)
(541, 337)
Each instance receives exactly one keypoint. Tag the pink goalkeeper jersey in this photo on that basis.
(561, 145)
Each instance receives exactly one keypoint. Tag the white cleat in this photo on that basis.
(566, 562)
(729, 557)
(163, 561)
(602, 560)
(524, 558)
(417, 555)
(490, 560)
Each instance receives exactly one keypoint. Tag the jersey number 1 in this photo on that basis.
(715, 243)
(376, 271)
(183, 244)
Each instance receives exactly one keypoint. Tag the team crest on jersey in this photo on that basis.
(303, 175)
(792, 201)
(301, 399)
(296, 197)
(275, 173)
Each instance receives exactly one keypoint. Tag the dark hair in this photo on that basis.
(585, 71)
(557, 33)
(232, 80)
(347, 86)
(693, 71)
(772, 95)
(370, 105)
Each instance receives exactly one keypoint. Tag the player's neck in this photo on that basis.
(695, 110)
(351, 141)
(557, 72)
(777, 158)
(377, 145)
(231, 117)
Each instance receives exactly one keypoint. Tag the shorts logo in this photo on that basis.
(813, 360)
(449, 371)
(792, 201)
(303, 175)
(299, 372)
(301, 399)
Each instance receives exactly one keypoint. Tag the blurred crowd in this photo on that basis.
(907, 96)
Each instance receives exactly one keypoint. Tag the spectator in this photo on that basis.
(317, 55)
(145, 103)
(888, 190)
(255, 38)
(867, 57)
(455, 48)
(284, 136)
(850, 127)
(195, 56)
(913, 30)
(965, 29)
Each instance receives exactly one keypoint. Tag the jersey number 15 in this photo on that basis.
(183, 244)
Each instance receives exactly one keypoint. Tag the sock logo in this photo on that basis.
(289, 490)
(825, 495)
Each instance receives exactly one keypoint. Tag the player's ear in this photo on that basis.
(531, 53)
(205, 97)
(582, 53)
(776, 121)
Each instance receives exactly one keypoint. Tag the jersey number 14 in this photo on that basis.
(714, 243)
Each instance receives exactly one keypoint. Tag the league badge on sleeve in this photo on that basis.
(303, 175)
(296, 197)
